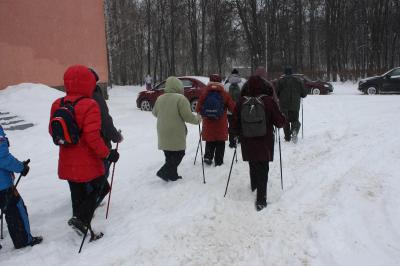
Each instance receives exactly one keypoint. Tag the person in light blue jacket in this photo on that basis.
(11, 203)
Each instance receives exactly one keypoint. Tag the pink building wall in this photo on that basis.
(39, 39)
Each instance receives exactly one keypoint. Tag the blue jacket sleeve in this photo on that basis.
(7, 161)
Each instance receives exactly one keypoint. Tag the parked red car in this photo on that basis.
(313, 86)
(193, 86)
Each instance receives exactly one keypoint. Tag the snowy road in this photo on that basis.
(339, 205)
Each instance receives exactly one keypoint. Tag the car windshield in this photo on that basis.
(306, 78)
(187, 83)
(393, 72)
(160, 86)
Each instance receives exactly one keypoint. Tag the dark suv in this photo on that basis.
(386, 83)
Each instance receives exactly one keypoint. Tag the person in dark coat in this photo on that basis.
(109, 133)
(259, 151)
(11, 203)
(215, 131)
(290, 90)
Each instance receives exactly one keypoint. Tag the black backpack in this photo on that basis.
(253, 118)
(213, 106)
(63, 126)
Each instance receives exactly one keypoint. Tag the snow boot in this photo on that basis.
(260, 206)
(77, 225)
(175, 178)
(162, 176)
(36, 240)
(207, 161)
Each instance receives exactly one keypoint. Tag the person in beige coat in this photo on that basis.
(172, 110)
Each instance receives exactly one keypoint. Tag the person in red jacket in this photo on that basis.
(259, 151)
(82, 164)
(215, 131)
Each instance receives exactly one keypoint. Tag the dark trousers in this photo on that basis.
(293, 123)
(106, 189)
(230, 131)
(215, 149)
(84, 203)
(259, 179)
(17, 218)
(170, 168)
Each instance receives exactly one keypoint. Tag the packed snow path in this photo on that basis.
(339, 205)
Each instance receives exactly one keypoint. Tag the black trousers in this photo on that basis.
(259, 179)
(230, 130)
(215, 149)
(293, 123)
(17, 219)
(85, 197)
(170, 168)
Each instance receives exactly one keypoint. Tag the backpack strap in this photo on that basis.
(62, 102)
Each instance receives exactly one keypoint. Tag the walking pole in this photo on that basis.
(280, 157)
(302, 123)
(93, 236)
(112, 179)
(1, 235)
(236, 156)
(5, 206)
(201, 153)
(230, 171)
(197, 151)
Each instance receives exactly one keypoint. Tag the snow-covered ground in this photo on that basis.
(339, 206)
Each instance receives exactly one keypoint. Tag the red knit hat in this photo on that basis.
(215, 78)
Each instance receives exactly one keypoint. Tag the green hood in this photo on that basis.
(173, 85)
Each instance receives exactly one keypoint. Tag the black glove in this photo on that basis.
(120, 137)
(25, 170)
(113, 156)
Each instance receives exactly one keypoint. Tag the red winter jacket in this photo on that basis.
(82, 162)
(216, 130)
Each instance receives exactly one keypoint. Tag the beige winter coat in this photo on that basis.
(172, 110)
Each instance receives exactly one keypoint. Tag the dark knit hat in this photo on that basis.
(96, 77)
(215, 78)
(288, 70)
(235, 71)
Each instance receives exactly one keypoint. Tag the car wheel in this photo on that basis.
(145, 105)
(372, 90)
(316, 91)
(193, 104)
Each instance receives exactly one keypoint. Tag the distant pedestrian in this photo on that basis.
(217, 101)
(290, 91)
(148, 81)
(172, 110)
(254, 118)
(11, 203)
